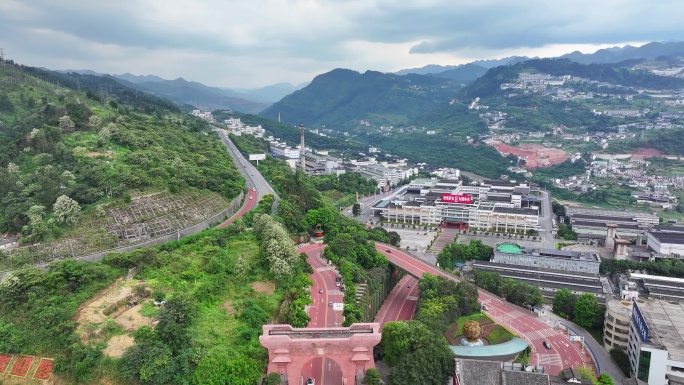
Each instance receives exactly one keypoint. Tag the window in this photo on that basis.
(644, 365)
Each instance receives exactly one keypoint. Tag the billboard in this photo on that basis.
(453, 198)
(257, 156)
(640, 323)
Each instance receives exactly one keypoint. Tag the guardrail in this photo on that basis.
(593, 356)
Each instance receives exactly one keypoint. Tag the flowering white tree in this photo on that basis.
(66, 210)
(94, 121)
(66, 124)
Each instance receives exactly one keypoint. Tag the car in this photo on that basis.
(253, 189)
(252, 174)
(320, 291)
(388, 251)
(310, 381)
(250, 197)
(409, 285)
(547, 345)
(330, 304)
(484, 307)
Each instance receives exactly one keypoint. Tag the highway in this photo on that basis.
(252, 176)
(562, 354)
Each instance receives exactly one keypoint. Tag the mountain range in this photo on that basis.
(648, 51)
(197, 95)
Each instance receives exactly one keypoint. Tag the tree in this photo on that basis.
(372, 377)
(94, 121)
(394, 238)
(66, 210)
(604, 379)
(66, 124)
(273, 378)
(586, 310)
(621, 359)
(564, 303)
(415, 354)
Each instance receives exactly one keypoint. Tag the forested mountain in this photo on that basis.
(648, 51)
(94, 146)
(341, 98)
(466, 73)
(198, 95)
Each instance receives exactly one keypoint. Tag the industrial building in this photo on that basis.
(548, 269)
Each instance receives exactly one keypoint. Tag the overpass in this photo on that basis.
(563, 353)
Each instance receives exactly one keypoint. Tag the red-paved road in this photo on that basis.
(246, 207)
(321, 313)
(562, 355)
(323, 370)
(400, 303)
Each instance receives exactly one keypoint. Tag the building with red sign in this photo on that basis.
(492, 204)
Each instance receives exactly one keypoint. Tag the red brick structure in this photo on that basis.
(290, 349)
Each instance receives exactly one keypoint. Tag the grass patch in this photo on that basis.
(149, 310)
(499, 335)
(481, 318)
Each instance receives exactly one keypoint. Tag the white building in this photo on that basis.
(656, 341)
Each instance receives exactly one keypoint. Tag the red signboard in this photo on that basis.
(453, 198)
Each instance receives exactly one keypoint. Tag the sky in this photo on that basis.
(253, 43)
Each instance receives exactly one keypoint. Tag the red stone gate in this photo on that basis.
(289, 349)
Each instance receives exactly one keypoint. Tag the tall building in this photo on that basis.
(656, 341)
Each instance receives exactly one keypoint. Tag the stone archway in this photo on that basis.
(290, 349)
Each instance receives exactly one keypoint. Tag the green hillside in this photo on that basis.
(340, 98)
(489, 84)
(98, 143)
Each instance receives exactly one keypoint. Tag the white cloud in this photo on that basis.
(244, 43)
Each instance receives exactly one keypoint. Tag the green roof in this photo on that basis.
(509, 248)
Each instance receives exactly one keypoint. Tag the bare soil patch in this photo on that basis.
(95, 154)
(228, 307)
(131, 319)
(111, 303)
(117, 345)
(267, 288)
(535, 155)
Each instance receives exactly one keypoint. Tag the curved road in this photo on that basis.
(562, 354)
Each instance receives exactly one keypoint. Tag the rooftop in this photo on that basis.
(620, 307)
(603, 218)
(561, 254)
(497, 182)
(509, 210)
(677, 238)
(665, 322)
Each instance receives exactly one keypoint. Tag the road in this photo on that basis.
(400, 304)
(562, 354)
(252, 176)
(546, 221)
(323, 292)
